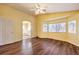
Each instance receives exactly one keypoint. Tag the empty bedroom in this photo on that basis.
(39, 28)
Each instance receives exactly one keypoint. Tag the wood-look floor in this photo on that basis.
(39, 46)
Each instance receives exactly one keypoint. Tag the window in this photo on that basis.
(72, 26)
(45, 27)
(52, 27)
(59, 27)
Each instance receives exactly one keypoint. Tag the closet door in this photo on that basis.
(9, 31)
(1, 32)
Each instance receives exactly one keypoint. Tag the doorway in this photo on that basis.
(26, 29)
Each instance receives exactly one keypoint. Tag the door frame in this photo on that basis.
(30, 26)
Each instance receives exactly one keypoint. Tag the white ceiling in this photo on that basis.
(50, 7)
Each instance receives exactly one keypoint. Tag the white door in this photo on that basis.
(6, 31)
(1, 30)
(9, 31)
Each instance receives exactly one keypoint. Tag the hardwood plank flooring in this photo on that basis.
(39, 46)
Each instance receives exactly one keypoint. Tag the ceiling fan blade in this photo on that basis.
(32, 9)
(37, 5)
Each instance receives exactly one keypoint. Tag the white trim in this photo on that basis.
(56, 18)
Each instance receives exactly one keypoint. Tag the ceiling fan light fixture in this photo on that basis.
(39, 9)
(39, 12)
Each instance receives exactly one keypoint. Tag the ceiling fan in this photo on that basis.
(38, 9)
